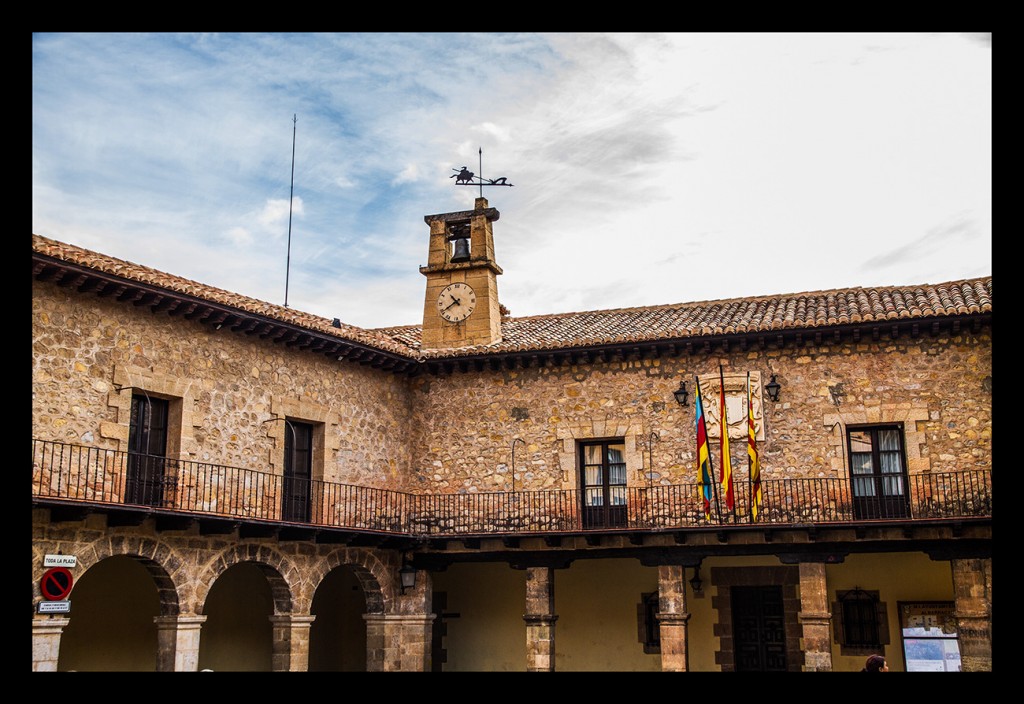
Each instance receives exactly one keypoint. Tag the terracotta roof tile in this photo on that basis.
(691, 320)
(681, 321)
(134, 272)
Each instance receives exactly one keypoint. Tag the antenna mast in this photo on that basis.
(291, 197)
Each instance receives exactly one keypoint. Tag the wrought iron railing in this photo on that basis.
(87, 474)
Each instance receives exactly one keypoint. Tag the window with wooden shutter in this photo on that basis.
(647, 623)
(860, 622)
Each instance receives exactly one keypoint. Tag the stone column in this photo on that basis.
(972, 590)
(375, 642)
(815, 618)
(177, 643)
(290, 650)
(46, 634)
(398, 642)
(540, 619)
(416, 642)
(672, 618)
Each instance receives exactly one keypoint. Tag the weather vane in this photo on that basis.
(465, 177)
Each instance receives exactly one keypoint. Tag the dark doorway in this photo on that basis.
(147, 451)
(337, 638)
(298, 466)
(759, 629)
(238, 635)
(112, 626)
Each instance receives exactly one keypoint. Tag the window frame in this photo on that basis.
(878, 492)
(149, 475)
(612, 510)
(648, 627)
(297, 474)
(872, 609)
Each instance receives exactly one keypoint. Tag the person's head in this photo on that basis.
(876, 663)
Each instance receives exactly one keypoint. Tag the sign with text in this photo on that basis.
(60, 561)
(930, 631)
(53, 607)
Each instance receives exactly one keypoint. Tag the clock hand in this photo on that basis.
(455, 302)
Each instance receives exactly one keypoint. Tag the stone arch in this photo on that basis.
(151, 554)
(375, 576)
(280, 572)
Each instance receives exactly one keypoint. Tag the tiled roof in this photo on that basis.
(764, 314)
(818, 309)
(134, 272)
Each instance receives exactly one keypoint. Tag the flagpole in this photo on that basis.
(714, 489)
(753, 459)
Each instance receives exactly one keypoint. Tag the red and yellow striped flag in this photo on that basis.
(755, 461)
(726, 461)
(704, 472)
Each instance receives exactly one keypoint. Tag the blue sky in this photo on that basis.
(648, 168)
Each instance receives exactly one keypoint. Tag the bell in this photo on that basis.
(461, 253)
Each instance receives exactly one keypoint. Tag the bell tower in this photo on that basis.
(461, 304)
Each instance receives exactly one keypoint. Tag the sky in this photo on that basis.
(646, 168)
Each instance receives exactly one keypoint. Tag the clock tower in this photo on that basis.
(461, 305)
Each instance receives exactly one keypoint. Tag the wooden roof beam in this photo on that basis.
(112, 290)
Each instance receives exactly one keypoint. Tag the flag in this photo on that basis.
(704, 473)
(755, 462)
(725, 473)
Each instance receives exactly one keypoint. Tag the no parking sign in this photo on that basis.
(56, 583)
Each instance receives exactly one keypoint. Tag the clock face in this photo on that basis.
(456, 302)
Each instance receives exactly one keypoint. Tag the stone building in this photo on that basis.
(221, 483)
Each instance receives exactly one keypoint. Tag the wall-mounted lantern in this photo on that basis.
(681, 394)
(696, 584)
(773, 387)
(407, 575)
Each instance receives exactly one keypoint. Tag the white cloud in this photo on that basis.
(275, 212)
(787, 161)
(239, 236)
(502, 134)
(409, 174)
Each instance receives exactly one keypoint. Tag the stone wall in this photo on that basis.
(185, 564)
(454, 432)
(229, 391)
(934, 385)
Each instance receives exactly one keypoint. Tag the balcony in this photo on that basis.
(94, 479)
